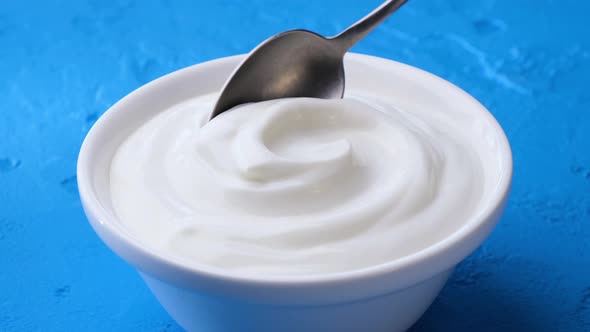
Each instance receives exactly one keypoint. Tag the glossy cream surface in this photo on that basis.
(300, 186)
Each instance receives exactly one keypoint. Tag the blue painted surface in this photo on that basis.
(63, 63)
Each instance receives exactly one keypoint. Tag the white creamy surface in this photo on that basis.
(299, 186)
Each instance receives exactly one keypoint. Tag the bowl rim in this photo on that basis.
(453, 248)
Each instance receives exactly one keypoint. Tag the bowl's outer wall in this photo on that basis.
(394, 312)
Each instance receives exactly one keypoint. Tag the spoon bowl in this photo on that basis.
(292, 64)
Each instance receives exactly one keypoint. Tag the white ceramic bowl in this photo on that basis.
(388, 297)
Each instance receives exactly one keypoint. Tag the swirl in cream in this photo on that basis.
(296, 186)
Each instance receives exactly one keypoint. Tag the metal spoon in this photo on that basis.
(297, 63)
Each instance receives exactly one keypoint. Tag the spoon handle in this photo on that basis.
(349, 37)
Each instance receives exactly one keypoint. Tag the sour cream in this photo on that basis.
(297, 186)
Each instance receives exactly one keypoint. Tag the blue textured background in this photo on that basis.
(63, 63)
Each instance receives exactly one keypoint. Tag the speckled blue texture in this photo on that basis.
(63, 63)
